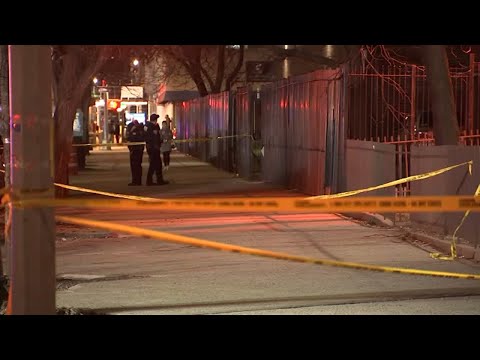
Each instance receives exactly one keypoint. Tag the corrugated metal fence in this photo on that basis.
(212, 117)
(219, 150)
(301, 122)
(243, 126)
(298, 121)
(274, 133)
(205, 118)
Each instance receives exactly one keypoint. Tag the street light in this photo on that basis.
(135, 62)
(95, 81)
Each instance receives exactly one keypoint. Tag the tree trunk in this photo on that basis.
(445, 125)
(238, 67)
(63, 143)
(5, 133)
(72, 76)
(220, 69)
(202, 88)
(192, 62)
(195, 71)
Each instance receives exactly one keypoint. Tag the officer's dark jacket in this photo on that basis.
(135, 132)
(152, 135)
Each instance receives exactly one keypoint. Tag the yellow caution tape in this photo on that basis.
(453, 245)
(333, 196)
(174, 141)
(123, 196)
(396, 182)
(348, 193)
(275, 204)
(255, 252)
(99, 192)
(109, 144)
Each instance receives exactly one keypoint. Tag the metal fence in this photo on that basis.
(274, 134)
(218, 127)
(243, 122)
(301, 120)
(213, 125)
(391, 104)
(298, 122)
(191, 121)
(404, 146)
(203, 118)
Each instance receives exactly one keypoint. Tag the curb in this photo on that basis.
(467, 252)
(376, 219)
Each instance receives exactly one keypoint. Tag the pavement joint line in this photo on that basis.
(85, 278)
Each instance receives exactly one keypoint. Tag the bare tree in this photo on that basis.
(213, 69)
(161, 70)
(73, 69)
(433, 59)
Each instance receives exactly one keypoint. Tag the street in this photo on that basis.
(118, 273)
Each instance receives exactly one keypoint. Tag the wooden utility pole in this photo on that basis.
(5, 134)
(32, 260)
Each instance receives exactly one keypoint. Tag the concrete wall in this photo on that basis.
(454, 182)
(367, 164)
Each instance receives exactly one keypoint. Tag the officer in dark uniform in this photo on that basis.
(135, 133)
(153, 141)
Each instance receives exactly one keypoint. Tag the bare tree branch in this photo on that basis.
(220, 69)
(208, 77)
(237, 68)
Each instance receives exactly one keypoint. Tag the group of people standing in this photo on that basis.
(158, 141)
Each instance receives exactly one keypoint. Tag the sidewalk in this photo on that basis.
(109, 170)
(121, 274)
(117, 273)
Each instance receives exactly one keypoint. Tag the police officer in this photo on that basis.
(153, 141)
(135, 133)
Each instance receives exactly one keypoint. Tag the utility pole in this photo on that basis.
(5, 134)
(33, 283)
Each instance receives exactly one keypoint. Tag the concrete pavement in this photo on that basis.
(443, 306)
(117, 273)
(144, 276)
